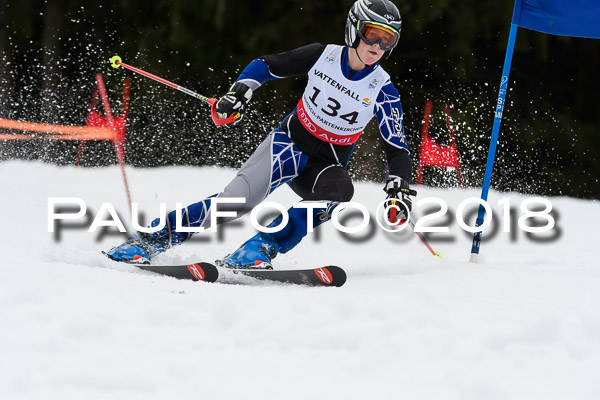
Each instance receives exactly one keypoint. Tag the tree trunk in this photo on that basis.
(50, 87)
(5, 56)
(50, 94)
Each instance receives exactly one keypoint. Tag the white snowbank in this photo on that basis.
(521, 324)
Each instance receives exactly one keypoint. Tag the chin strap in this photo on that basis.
(356, 50)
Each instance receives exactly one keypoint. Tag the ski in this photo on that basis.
(202, 271)
(324, 276)
(196, 272)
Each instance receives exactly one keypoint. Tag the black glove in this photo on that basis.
(398, 189)
(234, 102)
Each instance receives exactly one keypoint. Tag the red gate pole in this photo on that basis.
(450, 128)
(118, 146)
(424, 133)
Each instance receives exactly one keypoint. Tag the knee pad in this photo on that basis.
(334, 185)
(345, 190)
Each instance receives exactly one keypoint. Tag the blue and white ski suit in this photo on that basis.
(311, 148)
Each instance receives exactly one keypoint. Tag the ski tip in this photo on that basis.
(203, 272)
(474, 258)
(331, 275)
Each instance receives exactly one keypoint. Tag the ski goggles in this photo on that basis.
(372, 32)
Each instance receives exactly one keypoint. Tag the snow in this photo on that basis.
(521, 324)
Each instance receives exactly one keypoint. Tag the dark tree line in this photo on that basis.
(450, 52)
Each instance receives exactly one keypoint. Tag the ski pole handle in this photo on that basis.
(116, 62)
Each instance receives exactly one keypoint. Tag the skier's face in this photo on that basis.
(369, 54)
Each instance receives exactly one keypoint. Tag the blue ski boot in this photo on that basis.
(138, 249)
(256, 253)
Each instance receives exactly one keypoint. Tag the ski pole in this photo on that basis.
(116, 62)
(393, 218)
(435, 253)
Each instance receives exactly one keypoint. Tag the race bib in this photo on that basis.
(334, 108)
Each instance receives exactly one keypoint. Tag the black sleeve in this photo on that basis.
(294, 62)
(399, 162)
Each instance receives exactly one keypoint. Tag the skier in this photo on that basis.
(311, 148)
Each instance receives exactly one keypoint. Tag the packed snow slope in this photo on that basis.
(521, 324)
